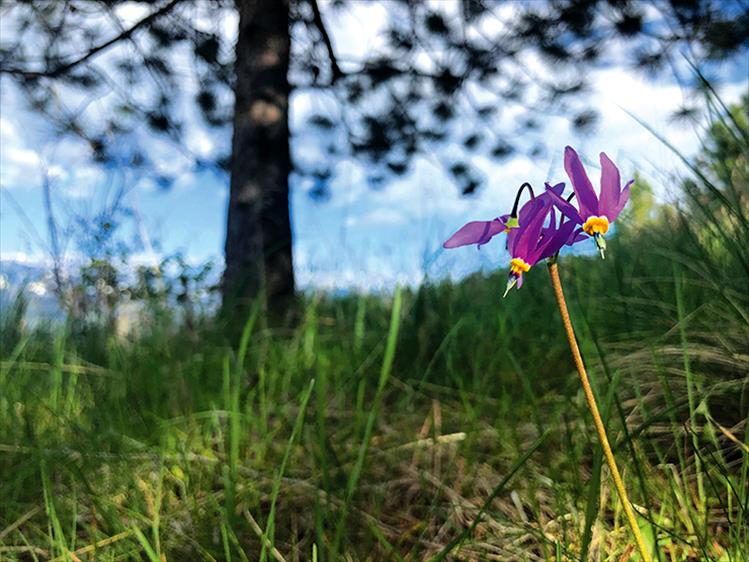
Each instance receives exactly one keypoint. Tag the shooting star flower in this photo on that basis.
(533, 242)
(595, 212)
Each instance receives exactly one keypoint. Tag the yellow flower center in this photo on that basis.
(596, 225)
(518, 266)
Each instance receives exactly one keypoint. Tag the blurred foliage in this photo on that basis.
(725, 150)
(641, 210)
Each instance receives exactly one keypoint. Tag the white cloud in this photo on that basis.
(25, 258)
(20, 165)
(23, 156)
(356, 32)
(7, 129)
(57, 172)
(378, 217)
(131, 12)
(379, 275)
(198, 141)
(38, 288)
(84, 181)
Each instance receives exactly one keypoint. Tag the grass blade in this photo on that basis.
(269, 527)
(387, 364)
(495, 492)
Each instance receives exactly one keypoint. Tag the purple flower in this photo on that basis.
(595, 212)
(532, 241)
(530, 238)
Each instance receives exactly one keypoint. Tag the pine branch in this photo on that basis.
(66, 67)
(317, 20)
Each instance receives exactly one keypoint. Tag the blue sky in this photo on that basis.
(360, 237)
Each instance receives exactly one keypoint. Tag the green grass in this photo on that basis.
(442, 423)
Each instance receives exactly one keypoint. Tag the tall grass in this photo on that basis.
(442, 423)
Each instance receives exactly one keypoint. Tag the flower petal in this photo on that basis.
(623, 197)
(567, 208)
(586, 195)
(555, 241)
(556, 188)
(577, 236)
(522, 241)
(475, 232)
(611, 185)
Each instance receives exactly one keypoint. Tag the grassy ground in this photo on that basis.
(438, 424)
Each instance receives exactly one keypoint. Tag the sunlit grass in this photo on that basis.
(185, 447)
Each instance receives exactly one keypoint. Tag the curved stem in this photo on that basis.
(610, 460)
(514, 212)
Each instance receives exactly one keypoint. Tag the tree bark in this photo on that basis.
(258, 235)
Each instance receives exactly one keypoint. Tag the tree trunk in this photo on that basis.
(258, 233)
